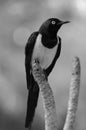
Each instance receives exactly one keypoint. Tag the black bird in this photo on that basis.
(45, 45)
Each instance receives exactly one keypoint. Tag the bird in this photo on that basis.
(44, 45)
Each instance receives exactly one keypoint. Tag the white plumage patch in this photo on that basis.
(44, 54)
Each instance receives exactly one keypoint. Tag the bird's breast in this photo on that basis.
(44, 54)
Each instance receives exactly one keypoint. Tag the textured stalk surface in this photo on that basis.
(73, 96)
(47, 96)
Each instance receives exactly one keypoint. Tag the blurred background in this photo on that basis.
(18, 19)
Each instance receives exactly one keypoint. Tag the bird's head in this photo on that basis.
(51, 26)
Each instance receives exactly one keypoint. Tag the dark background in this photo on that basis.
(18, 19)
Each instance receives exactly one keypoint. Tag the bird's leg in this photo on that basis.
(45, 74)
(36, 61)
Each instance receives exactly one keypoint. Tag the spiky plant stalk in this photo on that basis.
(73, 96)
(47, 96)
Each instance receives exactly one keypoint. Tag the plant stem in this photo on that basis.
(73, 96)
(47, 96)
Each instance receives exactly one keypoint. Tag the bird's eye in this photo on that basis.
(53, 22)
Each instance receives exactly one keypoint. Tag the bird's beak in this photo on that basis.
(64, 22)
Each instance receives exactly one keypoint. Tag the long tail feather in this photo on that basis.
(31, 104)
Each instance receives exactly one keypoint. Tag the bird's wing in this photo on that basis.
(49, 69)
(28, 55)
